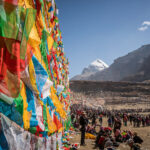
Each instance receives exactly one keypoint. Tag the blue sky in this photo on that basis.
(104, 29)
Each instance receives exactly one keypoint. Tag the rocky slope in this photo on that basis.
(143, 73)
(132, 67)
(125, 66)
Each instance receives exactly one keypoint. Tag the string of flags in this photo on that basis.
(34, 84)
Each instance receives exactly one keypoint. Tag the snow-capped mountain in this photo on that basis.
(132, 67)
(95, 66)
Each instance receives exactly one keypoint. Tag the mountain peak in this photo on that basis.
(95, 66)
(99, 63)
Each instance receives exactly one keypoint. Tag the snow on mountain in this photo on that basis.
(95, 66)
(99, 63)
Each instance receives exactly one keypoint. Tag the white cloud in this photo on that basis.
(143, 28)
(147, 23)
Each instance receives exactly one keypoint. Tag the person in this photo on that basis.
(117, 125)
(93, 120)
(125, 119)
(83, 123)
(100, 133)
(137, 139)
(101, 119)
(131, 119)
(109, 145)
(133, 146)
(109, 121)
(101, 142)
(113, 120)
(143, 121)
(73, 119)
(138, 121)
(118, 136)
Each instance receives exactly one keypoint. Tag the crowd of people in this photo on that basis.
(90, 120)
(135, 119)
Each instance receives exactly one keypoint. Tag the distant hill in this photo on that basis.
(132, 67)
(113, 93)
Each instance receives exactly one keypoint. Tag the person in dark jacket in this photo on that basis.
(93, 120)
(83, 123)
(117, 125)
(137, 139)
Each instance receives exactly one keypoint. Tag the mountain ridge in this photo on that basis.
(125, 68)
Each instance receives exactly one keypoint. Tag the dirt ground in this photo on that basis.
(144, 132)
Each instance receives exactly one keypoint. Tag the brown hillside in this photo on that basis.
(124, 94)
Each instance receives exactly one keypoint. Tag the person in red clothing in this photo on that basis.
(101, 142)
(125, 119)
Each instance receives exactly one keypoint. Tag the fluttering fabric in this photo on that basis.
(34, 85)
(15, 138)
